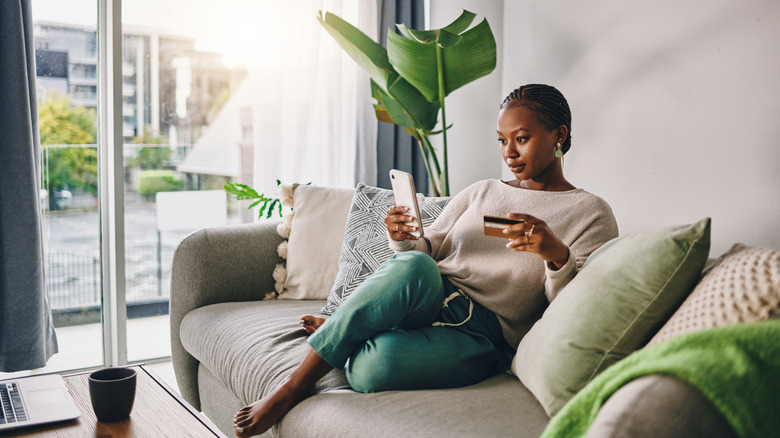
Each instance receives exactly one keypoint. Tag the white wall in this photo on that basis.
(676, 106)
(472, 110)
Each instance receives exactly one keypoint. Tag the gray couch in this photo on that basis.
(230, 347)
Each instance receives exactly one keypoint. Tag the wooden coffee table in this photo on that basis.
(158, 411)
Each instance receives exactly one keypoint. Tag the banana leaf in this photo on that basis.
(411, 78)
(404, 104)
(425, 57)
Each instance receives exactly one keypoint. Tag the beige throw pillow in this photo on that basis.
(316, 233)
(743, 286)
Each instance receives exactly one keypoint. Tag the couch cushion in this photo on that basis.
(497, 407)
(742, 286)
(365, 245)
(625, 291)
(315, 236)
(251, 347)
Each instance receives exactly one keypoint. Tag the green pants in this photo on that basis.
(407, 327)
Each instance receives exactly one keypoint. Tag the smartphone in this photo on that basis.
(406, 195)
(495, 225)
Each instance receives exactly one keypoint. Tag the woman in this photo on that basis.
(449, 309)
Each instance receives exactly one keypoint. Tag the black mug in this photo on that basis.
(112, 391)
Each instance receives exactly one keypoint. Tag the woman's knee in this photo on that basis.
(416, 277)
(415, 264)
(377, 366)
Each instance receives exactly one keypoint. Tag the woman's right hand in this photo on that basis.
(396, 223)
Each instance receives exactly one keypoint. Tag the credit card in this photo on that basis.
(495, 225)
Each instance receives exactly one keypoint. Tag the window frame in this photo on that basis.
(111, 188)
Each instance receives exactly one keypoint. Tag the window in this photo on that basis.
(198, 105)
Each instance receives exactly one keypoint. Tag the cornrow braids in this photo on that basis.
(547, 103)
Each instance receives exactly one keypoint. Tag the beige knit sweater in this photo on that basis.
(516, 286)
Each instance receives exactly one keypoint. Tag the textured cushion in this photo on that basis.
(742, 286)
(624, 292)
(365, 245)
(316, 233)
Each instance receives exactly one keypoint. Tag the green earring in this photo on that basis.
(558, 153)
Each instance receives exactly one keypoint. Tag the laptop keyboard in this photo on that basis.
(13, 409)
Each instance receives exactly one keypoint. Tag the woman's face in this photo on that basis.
(527, 147)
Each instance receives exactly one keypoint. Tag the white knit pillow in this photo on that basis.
(742, 286)
(314, 232)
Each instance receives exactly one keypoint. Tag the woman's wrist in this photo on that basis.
(557, 264)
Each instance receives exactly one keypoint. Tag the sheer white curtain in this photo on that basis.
(312, 108)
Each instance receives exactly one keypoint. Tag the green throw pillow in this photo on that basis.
(618, 301)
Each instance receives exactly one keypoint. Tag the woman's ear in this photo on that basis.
(561, 134)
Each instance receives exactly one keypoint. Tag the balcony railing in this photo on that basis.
(74, 279)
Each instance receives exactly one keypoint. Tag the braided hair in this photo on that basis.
(547, 103)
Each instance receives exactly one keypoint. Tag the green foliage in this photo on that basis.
(268, 206)
(152, 181)
(59, 124)
(71, 167)
(151, 157)
(243, 192)
(418, 70)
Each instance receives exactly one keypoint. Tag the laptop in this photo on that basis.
(31, 401)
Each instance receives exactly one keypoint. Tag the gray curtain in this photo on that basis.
(27, 338)
(396, 149)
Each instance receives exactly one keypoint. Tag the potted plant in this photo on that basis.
(419, 68)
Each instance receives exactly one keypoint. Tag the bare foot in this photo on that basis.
(311, 323)
(263, 414)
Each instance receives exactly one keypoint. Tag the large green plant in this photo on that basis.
(419, 68)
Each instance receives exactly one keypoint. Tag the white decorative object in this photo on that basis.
(282, 249)
(284, 228)
(286, 194)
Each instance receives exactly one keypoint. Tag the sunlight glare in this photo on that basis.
(243, 31)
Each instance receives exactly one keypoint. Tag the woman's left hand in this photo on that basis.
(536, 237)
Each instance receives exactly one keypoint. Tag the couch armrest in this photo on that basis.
(214, 265)
(659, 406)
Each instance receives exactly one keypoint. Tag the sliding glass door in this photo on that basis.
(146, 109)
(175, 81)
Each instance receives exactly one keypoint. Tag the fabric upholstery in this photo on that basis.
(252, 347)
(249, 348)
(742, 286)
(234, 264)
(659, 406)
(316, 235)
(497, 407)
(365, 245)
(222, 264)
(625, 291)
(221, 404)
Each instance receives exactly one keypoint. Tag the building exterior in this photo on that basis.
(169, 89)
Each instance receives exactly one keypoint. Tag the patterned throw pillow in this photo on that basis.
(742, 286)
(365, 245)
